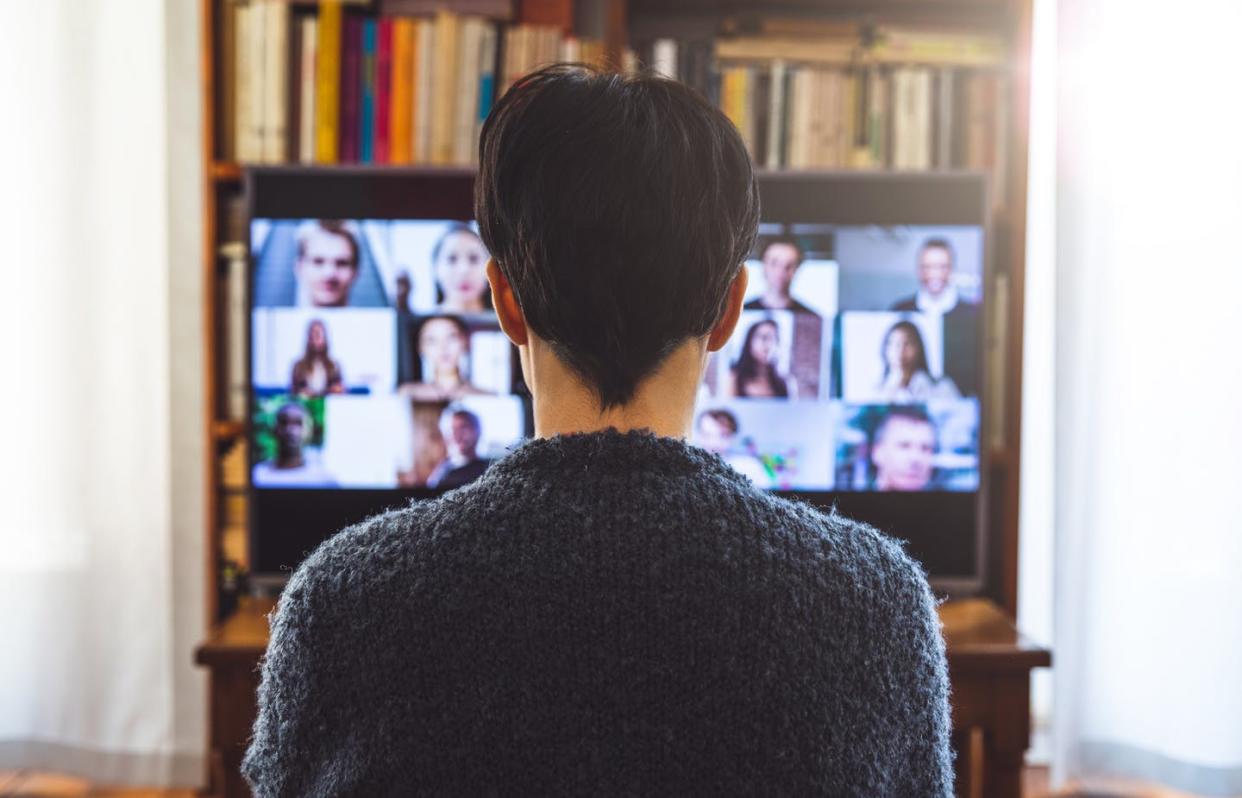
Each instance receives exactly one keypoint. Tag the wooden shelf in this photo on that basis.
(226, 172)
(227, 430)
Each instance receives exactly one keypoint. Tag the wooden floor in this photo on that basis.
(45, 785)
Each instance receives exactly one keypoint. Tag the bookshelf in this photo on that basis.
(605, 31)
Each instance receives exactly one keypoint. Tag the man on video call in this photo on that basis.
(460, 429)
(326, 265)
(937, 297)
(781, 259)
(607, 610)
(902, 449)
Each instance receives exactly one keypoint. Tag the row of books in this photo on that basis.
(343, 86)
(906, 101)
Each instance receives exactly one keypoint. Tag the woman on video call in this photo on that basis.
(444, 350)
(316, 373)
(459, 262)
(755, 374)
(907, 377)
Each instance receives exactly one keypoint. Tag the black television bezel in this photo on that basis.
(811, 197)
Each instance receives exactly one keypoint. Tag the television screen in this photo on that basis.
(854, 364)
(377, 361)
(379, 371)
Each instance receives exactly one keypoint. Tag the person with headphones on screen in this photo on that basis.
(607, 609)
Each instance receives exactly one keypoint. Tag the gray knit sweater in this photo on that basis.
(605, 614)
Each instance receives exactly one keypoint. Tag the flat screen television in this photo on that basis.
(379, 373)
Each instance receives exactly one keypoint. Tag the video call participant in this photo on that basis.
(608, 609)
(326, 266)
(459, 262)
(717, 432)
(755, 375)
(907, 377)
(902, 447)
(316, 373)
(781, 259)
(293, 463)
(444, 351)
(937, 297)
(461, 430)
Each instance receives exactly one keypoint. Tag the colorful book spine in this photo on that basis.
(383, 89)
(327, 82)
(487, 82)
(351, 69)
(400, 128)
(366, 94)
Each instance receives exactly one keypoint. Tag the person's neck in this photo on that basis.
(290, 459)
(663, 403)
(777, 301)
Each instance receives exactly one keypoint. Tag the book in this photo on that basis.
(487, 83)
(424, 58)
(366, 91)
(776, 114)
(466, 102)
(246, 148)
(327, 81)
(401, 119)
(908, 46)
(351, 89)
(444, 88)
(274, 129)
(664, 58)
(383, 89)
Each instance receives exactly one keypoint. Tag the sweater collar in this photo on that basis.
(613, 452)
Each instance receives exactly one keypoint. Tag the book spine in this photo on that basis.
(276, 82)
(487, 83)
(294, 108)
(351, 87)
(776, 113)
(383, 89)
(236, 313)
(306, 88)
(366, 93)
(467, 100)
(423, 90)
(256, 133)
(243, 18)
(327, 82)
(443, 97)
(400, 117)
(664, 57)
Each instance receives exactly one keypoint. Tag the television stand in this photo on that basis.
(989, 667)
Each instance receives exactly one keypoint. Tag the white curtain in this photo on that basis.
(101, 567)
(1148, 620)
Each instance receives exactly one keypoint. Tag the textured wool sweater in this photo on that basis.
(605, 614)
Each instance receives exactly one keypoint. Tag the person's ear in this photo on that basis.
(724, 328)
(508, 311)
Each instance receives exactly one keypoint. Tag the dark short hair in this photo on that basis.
(939, 243)
(619, 208)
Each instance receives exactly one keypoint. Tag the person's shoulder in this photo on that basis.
(356, 560)
(856, 558)
(908, 304)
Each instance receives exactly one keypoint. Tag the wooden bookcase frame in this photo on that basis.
(1009, 18)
